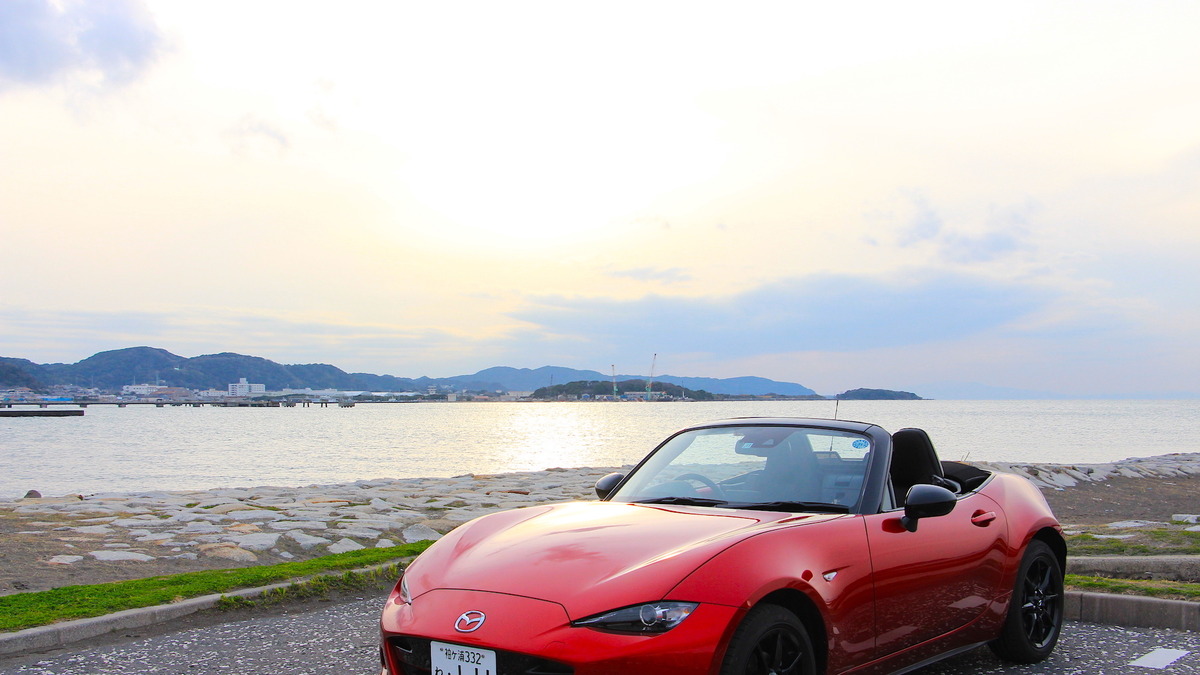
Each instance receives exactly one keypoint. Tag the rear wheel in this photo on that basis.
(1035, 614)
(770, 641)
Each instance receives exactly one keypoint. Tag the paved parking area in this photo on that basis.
(1087, 649)
(341, 639)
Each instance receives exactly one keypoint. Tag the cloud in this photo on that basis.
(1003, 232)
(42, 41)
(1006, 231)
(671, 275)
(829, 313)
(983, 247)
(924, 225)
(252, 134)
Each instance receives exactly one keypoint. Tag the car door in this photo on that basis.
(939, 578)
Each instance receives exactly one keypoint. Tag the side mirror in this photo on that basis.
(926, 501)
(606, 485)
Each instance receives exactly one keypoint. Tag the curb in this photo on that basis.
(1173, 567)
(1131, 610)
(53, 636)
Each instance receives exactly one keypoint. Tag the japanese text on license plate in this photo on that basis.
(448, 659)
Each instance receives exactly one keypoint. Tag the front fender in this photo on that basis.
(828, 562)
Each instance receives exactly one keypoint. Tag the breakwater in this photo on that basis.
(256, 525)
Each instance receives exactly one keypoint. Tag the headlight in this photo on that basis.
(405, 597)
(650, 618)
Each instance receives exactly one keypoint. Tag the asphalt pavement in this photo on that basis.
(332, 639)
(342, 639)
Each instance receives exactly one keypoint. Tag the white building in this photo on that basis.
(244, 388)
(140, 389)
(308, 392)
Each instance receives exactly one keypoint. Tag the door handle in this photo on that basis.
(983, 518)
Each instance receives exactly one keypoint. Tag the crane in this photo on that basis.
(650, 382)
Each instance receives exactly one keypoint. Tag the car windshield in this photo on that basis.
(782, 468)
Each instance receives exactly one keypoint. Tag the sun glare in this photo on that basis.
(549, 171)
(536, 190)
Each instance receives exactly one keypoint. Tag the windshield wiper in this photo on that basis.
(819, 507)
(682, 501)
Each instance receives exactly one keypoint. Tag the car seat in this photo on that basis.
(791, 473)
(914, 462)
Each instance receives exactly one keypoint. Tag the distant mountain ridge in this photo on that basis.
(526, 379)
(111, 370)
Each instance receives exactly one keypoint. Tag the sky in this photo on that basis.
(929, 196)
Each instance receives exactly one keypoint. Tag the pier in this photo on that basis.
(40, 413)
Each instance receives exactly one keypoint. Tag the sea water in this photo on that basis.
(142, 448)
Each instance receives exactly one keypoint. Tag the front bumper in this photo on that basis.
(534, 637)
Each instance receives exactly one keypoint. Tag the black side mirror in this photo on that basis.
(926, 501)
(606, 485)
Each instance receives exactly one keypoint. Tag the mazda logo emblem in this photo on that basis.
(469, 622)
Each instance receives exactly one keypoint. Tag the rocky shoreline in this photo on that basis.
(1059, 476)
(53, 541)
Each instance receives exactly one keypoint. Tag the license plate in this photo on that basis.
(448, 659)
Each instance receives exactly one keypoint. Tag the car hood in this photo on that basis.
(588, 556)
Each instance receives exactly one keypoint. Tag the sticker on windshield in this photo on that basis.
(861, 444)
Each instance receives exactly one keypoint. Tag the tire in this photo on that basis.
(770, 641)
(1035, 613)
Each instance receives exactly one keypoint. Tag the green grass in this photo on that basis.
(1151, 587)
(1086, 544)
(1156, 541)
(26, 610)
(1181, 542)
(317, 587)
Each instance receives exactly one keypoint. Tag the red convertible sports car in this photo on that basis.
(744, 547)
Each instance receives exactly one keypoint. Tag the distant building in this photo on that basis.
(244, 388)
(308, 392)
(156, 391)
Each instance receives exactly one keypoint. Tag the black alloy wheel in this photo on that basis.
(1035, 614)
(1041, 609)
(770, 641)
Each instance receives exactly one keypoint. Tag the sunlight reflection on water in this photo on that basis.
(148, 448)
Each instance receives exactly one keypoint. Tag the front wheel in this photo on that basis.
(770, 641)
(1035, 613)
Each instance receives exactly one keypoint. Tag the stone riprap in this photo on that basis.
(268, 524)
(1059, 476)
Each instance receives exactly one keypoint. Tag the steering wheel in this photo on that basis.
(708, 482)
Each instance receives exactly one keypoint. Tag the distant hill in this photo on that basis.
(877, 395)
(735, 386)
(111, 370)
(525, 379)
(19, 373)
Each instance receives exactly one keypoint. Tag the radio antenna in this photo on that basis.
(836, 403)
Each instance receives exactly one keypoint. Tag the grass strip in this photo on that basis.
(1158, 588)
(1146, 542)
(39, 608)
(320, 586)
